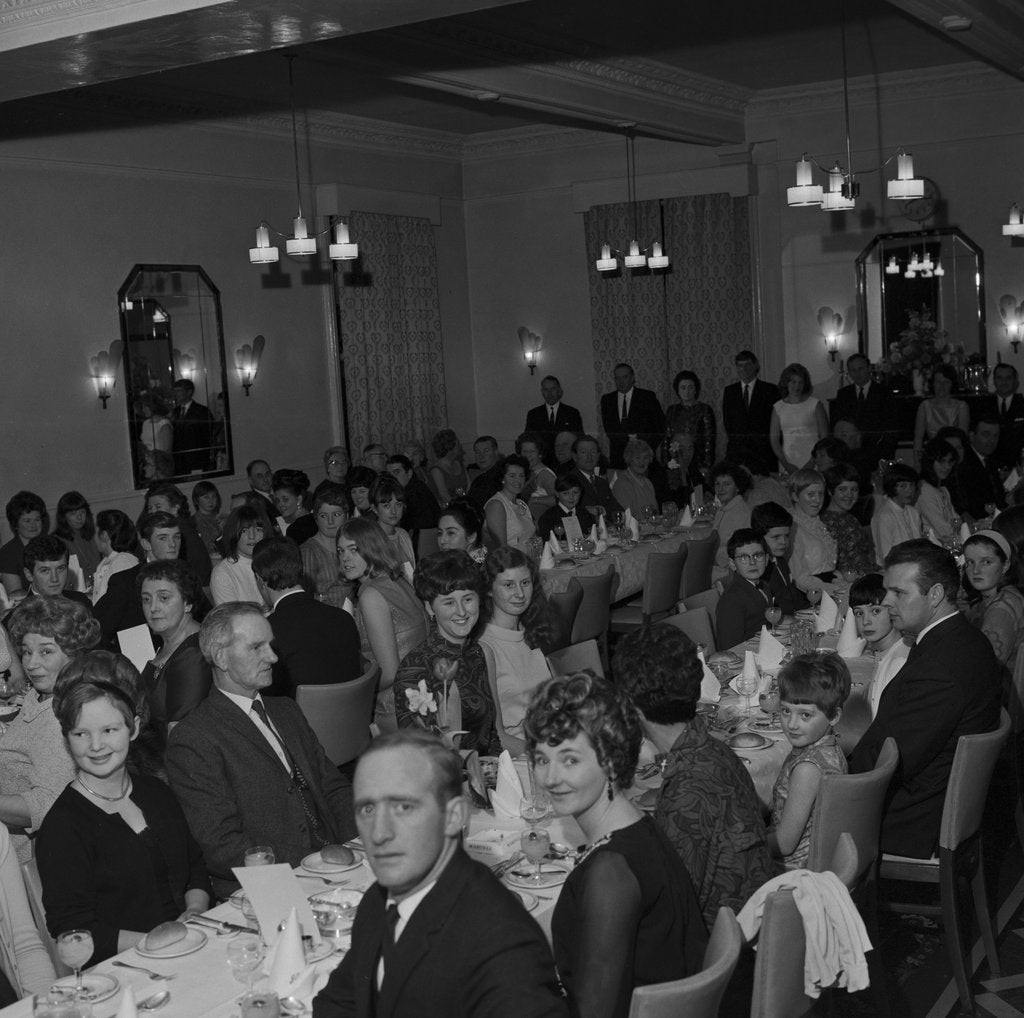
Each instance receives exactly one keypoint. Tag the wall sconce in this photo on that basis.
(103, 368)
(1012, 315)
(831, 324)
(247, 362)
(184, 364)
(531, 344)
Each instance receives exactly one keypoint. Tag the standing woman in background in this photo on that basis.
(691, 417)
(798, 419)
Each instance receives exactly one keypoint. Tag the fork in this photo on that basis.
(138, 968)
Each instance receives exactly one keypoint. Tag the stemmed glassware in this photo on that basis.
(535, 842)
(814, 596)
(747, 686)
(75, 948)
(773, 615)
(245, 955)
(771, 702)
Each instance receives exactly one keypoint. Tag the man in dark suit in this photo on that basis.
(261, 481)
(629, 412)
(46, 572)
(437, 934)
(948, 687)
(978, 473)
(1006, 405)
(870, 407)
(491, 466)
(193, 430)
(315, 643)
(250, 771)
(421, 509)
(552, 416)
(747, 412)
(597, 497)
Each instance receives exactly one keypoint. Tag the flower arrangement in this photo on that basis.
(922, 345)
(439, 711)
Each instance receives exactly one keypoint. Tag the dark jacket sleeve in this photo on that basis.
(188, 681)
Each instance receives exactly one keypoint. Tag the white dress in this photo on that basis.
(799, 426)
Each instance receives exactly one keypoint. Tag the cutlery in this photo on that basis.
(543, 870)
(334, 883)
(139, 968)
(220, 924)
(157, 1000)
(503, 867)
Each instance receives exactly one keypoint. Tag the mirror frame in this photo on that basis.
(212, 345)
(915, 236)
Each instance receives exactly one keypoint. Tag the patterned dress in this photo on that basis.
(697, 420)
(854, 548)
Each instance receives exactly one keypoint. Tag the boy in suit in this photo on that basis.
(568, 490)
(741, 609)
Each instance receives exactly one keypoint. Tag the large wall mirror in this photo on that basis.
(955, 295)
(172, 332)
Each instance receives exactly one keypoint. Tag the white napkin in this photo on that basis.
(602, 528)
(288, 966)
(76, 573)
(770, 651)
(547, 560)
(508, 791)
(631, 523)
(556, 548)
(409, 570)
(850, 644)
(710, 688)
(128, 1008)
(933, 537)
(750, 668)
(965, 532)
(592, 536)
(828, 612)
(687, 518)
(1012, 480)
(601, 547)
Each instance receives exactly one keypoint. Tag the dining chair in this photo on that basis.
(700, 560)
(592, 617)
(705, 599)
(961, 855)
(564, 605)
(426, 543)
(1016, 734)
(340, 713)
(697, 626)
(34, 892)
(781, 945)
(699, 995)
(575, 658)
(662, 576)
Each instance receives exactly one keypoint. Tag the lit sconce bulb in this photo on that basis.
(342, 250)
(635, 260)
(606, 263)
(906, 185)
(263, 252)
(1014, 228)
(658, 259)
(893, 268)
(301, 243)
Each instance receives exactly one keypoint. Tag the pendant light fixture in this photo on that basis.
(637, 257)
(301, 243)
(1014, 227)
(842, 190)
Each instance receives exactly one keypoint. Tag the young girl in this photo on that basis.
(875, 624)
(814, 688)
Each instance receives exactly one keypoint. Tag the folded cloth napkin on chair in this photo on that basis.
(710, 687)
(770, 651)
(836, 939)
(828, 612)
(686, 520)
(850, 644)
(508, 791)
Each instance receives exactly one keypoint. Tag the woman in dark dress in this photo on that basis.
(179, 677)
(628, 915)
(115, 854)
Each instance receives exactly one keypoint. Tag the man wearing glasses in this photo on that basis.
(741, 609)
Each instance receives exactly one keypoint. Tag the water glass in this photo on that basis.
(59, 1002)
(245, 955)
(259, 855)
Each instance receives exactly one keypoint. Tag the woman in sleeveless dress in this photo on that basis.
(798, 419)
(508, 517)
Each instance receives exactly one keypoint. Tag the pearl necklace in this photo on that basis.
(108, 798)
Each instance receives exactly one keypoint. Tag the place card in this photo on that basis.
(573, 529)
(137, 645)
(273, 891)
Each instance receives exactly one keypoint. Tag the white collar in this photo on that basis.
(932, 625)
(243, 703)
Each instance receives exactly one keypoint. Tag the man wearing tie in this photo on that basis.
(552, 416)
(870, 407)
(193, 429)
(747, 412)
(978, 474)
(1007, 406)
(437, 934)
(249, 770)
(629, 412)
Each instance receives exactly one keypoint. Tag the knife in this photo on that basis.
(220, 924)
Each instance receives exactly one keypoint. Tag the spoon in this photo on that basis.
(157, 1000)
(292, 1006)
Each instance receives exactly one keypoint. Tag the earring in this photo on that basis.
(611, 791)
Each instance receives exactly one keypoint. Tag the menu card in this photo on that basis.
(273, 891)
(137, 645)
(572, 529)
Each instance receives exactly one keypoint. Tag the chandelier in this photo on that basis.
(637, 257)
(300, 242)
(840, 192)
(922, 266)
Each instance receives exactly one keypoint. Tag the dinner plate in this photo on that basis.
(320, 951)
(553, 873)
(193, 941)
(529, 901)
(766, 725)
(98, 986)
(315, 864)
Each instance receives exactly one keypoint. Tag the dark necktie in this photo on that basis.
(317, 838)
(387, 940)
(860, 397)
(551, 415)
(625, 408)
(1006, 407)
(746, 397)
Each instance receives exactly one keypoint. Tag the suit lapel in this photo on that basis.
(233, 716)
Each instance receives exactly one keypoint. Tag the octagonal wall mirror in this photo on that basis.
(172, 331)
(956, 297)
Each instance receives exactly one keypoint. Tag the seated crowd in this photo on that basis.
(137, 793)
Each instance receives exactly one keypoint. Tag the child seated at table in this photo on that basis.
(813, 689)
(875, 624)
(774, 523)
(740, 612)
(568, 493)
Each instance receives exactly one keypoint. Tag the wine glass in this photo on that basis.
(7, 690)
(535, 843)
(259, 855)
(773, 615)
(747, 686)
(536, 807)
(75, 948)
(245, 955)
(771, 702)
(814, 596)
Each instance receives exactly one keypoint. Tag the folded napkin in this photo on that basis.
(686, 520)
(965, 532)
(475, 776)
(553, 545)
(508, 792)
(592, 536)
(128, 1008)
(710, 688)
(1012, 480)
(850, 644)
(828, 612)
(601, 547)
(750, 668)
(933, 537)
(547, 560)
(602, 528)
(770, 651)
(632, 525)
(288, 969)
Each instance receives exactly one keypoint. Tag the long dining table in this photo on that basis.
(630, 563)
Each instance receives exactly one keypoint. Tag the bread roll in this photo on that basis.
(164, 935)
(747, 740)
(337, 855)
